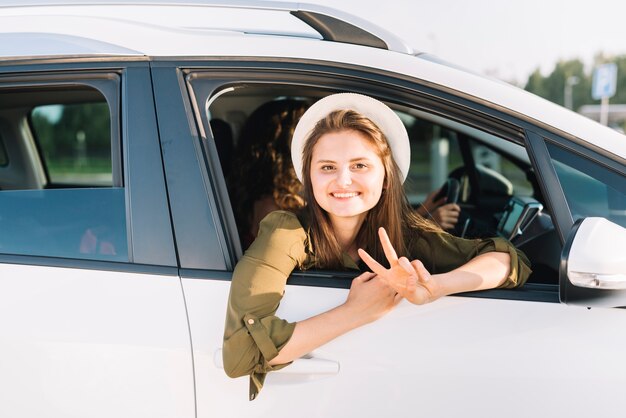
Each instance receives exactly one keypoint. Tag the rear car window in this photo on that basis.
(61, 193)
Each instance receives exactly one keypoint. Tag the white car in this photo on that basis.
(118, 240)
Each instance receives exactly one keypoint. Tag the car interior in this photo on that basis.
(491, 178)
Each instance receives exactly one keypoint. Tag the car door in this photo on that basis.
(494, 353)
(92, 315)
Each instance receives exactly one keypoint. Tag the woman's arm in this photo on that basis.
(255, 339)
(253, 333)
(485, 271)
(413, 281)
(369, 299)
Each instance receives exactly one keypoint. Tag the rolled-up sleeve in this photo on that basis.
(441, 252)
(253, 334)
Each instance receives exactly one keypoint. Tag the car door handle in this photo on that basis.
(310, 366)
(301, 366)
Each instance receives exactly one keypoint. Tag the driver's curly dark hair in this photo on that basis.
(262, 165)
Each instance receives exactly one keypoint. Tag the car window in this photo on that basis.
(491, 170)
(59, 195)
(499, 163)
(590, 189)
(434, 153)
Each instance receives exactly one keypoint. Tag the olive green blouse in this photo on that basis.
(254, 335)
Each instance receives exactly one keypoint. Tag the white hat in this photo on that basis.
(378, 112)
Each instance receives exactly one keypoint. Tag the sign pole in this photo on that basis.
(604, 111)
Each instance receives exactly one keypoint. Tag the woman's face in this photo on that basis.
(347, 175)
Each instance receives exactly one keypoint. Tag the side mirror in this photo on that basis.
(593, 264)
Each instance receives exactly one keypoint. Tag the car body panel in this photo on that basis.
(457, 356)
(68, 333)
(143, 337)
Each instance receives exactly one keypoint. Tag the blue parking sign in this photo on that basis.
(604, 81)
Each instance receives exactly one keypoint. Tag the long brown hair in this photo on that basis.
(262, 166)
(393, 211)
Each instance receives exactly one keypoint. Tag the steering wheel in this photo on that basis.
(450, 190)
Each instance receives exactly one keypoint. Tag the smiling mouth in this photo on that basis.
(345, 195)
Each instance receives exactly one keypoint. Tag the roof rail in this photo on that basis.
(339, 26)
(333, 29)
(332, 24)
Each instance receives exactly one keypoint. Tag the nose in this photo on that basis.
(344, 177)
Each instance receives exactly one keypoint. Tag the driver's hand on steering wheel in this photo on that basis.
(446, 215)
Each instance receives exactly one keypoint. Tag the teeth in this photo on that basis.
(345, 195)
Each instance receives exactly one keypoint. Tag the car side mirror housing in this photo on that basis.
(592, 271)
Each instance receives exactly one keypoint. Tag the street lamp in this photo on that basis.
(571, 81)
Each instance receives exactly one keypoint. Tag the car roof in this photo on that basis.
(121, 24)
(190, 29)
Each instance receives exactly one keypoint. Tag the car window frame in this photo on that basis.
(549, 181)
(148, 224)
(407, 92)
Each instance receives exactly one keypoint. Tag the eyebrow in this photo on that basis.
(352, 160)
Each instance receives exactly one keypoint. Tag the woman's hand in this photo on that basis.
(447, 216)
(410, 279)
(370, 297)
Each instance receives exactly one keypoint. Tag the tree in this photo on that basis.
(552, 87)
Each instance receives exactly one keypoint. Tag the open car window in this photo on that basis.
(499, 195)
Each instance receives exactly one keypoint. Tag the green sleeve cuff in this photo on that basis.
(268, 349)
(520, 265)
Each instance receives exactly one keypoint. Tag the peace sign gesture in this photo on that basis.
(410, 279)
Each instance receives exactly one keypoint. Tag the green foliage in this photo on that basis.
(552, 86)
(536, 84)
(74, 139)
(59, 138)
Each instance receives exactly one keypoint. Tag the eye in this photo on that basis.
(359, 166)
(327, 167)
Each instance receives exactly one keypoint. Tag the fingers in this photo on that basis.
(422, 273)
(451, 208)
(390, 252)
(410, 284)
(366, 277)
(448, 224)
(448, 215)
(397, 299)
(371, 263)
(406, 265)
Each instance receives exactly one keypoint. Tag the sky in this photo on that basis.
(508, 39)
